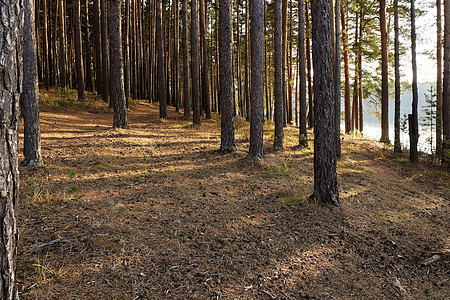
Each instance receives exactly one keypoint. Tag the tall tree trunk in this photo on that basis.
(347, 103)
(439, 81)
(205, 64)
(62, 45)
(176, 56)
(397, 145)
(325, 177)
(228, 143)
(446, 88)
(257, 80)
(87, 46)
(238, 60)
(30, 96)
(38, 39)
(127, 52)
(78, 51)
(413, 118)
(278, 140)
(186, 72)
(195, 63)
(160, 61)
(384, 75)
(247, 61)
(105, 54)
(284, 56)
(46, 48)
(98, 47)
(337, 76)
(360, 53)
(10, 64)
(117, 85)
(303, 138)
(309, 66)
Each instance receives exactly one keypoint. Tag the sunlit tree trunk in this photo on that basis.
(397, 145)
(205, 69)
(384, 75)
(195, 63)
(257, 81)
(309, 67)
(347, 103)
(78, 51)
(303, 139)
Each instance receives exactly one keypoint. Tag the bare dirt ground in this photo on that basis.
(155, 212)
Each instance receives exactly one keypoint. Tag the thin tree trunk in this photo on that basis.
(257, 80)
(98, 47)
(30, 96)
(347, 103)
(413, 122)
(446, 88)
(117, 85)
(127, 52)
(195, 63)
(439, 81)
(186, 72)
(105, 54)
(309, 66)
(46, 48)
(87, 45)
(205, 70)
(278, 116)
(284, 56)
(62, 46)
(228, 143)
(247, 59)
(176, 56)
(160, 61)
(238, 60)
(11, 76)
(384, 75)
(337, 76)
(360, 53)
(397, 145)
(78, 51)
(325, 177)
(303, 137)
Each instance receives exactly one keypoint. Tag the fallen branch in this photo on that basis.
(58, 240)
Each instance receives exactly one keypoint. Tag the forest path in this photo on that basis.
(155, 212)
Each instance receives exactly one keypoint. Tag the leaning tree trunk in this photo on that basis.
(186, 73)
(384, 75)
(30, 96)
(325, 177)
(278, 114)
(117, 88)
(303, 139)
(257, 80)
(10, 76)
(228, 142)
(413, 120)
(446, 90)
(78, 52)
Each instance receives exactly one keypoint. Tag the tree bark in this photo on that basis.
(347, 103)
(414, 129)
(205, 69)
(98, 47)
(325, 177)
(195, 63)
(87, 47)
(439, 80)
(228, 143)
(309, 66)
(186, 72)
(384, 75)
(278, 115)
(30, 96)
(257, 80)
(105, 54)
(303, 138)
(78, 51)
(397, 145)
(11, 28)
(176, 56)
(127, 52)
(62, 46)
(446, 88)
(160, 61)
(337, 76)
(117, 85)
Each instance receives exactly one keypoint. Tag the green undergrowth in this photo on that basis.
(60, 100)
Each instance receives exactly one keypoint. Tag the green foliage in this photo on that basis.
(60, 100)
(72, 189)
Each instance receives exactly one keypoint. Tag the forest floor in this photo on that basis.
(156, 212)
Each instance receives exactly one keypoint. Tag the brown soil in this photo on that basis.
(155, 212)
